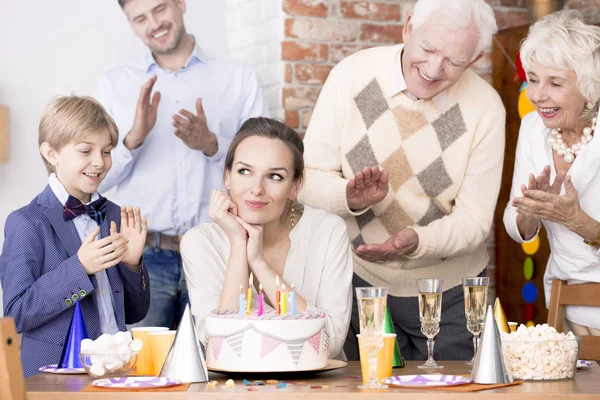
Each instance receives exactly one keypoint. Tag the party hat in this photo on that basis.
(489, 366)
(500, 316)
(389, 328)
(77, 332)
(185, 360)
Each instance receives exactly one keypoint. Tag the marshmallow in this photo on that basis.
(97, 370)
(109, 353)
(87, 346)
(136, 345)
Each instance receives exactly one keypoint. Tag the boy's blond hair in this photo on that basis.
(70, 118)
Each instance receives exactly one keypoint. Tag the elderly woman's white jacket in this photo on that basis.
(570, 259)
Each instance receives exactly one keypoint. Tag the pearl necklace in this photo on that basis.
(568, 153)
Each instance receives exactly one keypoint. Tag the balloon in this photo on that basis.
(524, 105)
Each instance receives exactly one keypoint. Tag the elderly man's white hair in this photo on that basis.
(460, 14)
(563, 41)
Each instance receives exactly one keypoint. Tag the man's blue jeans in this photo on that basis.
(168, 291)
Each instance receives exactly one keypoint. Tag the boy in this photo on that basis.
(70, 244)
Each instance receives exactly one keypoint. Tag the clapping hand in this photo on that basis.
(368, 187)
(97, 255)
(547, 205)
(134, 228)
(402, 243)
(145, 115)
(193, 130)
(542, 182)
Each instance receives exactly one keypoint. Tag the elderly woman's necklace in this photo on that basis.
(568, 153)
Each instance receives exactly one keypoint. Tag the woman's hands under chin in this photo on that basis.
(254, 249)
(224, 212)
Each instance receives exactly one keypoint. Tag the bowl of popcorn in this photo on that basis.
(540, 353)
(110, 356)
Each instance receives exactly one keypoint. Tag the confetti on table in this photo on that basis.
(259, 383)
(248, 383)
(230, 383)
(340, 386)
(213, 383)
(281, 385)
(252, 389)
(272, 382)
(319, 386)
(353, 377)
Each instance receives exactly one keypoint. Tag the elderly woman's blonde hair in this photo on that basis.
(69, 119)
(563, 41)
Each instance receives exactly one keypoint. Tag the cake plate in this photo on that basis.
(281, 375)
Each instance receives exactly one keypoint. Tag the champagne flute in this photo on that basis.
(371, 311)
(475, 291)
(430, 310)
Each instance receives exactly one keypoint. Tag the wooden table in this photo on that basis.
(586, 384)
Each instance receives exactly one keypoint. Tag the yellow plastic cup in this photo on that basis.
(160, 342)
(144, 365)
(513, 326)
(385, 358)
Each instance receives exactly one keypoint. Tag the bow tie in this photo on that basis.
(74, 208)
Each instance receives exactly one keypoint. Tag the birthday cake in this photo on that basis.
(266, 343)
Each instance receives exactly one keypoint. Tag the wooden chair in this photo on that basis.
(12, 383)
(587, 294)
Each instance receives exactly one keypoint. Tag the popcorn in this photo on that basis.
(109, 353)
(540, 352)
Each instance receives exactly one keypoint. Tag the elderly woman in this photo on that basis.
(556, 181)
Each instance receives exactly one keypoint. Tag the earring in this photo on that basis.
(589, 105)
(292, 215)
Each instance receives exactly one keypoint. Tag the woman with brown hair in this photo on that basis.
(259, 229)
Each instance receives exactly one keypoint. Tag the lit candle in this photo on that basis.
(293, 300)
(242, 301)
(261, 300)
(277, 295)
(249, 295)
(283, 300)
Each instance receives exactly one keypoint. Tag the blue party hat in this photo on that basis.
(77, 332)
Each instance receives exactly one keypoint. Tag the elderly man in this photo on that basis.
(173, 142)
(406, 143)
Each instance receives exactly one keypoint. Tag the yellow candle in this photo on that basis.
(249, 295)
(277, 295)
(283, 300)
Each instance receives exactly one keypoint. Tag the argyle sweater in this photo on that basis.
(444, 168)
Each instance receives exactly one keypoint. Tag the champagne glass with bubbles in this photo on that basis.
(475, 291)
(430, 310)
(371, 311)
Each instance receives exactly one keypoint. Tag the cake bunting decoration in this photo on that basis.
(267, 345)
(315, 341)
(235, 342)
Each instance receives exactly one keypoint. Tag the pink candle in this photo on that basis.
(261, 299)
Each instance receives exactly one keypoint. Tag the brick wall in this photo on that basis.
(319, 33)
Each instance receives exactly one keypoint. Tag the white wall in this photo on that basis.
(63, 46)
(254, 31)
